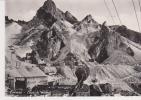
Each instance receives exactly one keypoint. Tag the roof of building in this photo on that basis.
(13, 72)
(25, 70)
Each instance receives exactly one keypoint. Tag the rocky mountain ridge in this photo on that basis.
(128, 33)
(66, 43)
(9, 21)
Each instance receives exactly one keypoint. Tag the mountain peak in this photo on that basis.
(48, 2)
(88, 18)
(8, 20)
(67, 12)
(69, 17)
(49, 6)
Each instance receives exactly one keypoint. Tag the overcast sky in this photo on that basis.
(26, 9)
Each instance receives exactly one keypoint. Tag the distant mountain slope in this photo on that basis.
(20, 22)
(12, 29)
(130, 34)
(119, 57)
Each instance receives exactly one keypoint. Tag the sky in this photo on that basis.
(26, 9)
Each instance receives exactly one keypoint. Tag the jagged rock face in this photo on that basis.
(87, 25)
(7, 20)
(70, 18)
(88, 19)
(130, 51)
(98, 50)
(50, 44)
(71, 60)
(105, 42)
(45, 44)
(46, 15)
(21, 22)
(50, 7)
(130, 34)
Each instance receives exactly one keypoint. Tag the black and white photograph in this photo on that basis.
(72, 48)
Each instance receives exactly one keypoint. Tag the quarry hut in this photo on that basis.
(24, 75)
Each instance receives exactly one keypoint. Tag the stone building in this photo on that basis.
(24, 75)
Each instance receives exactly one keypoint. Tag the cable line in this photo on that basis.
(139, 5)
(109, 11)
(136, 14)
(116, 12)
